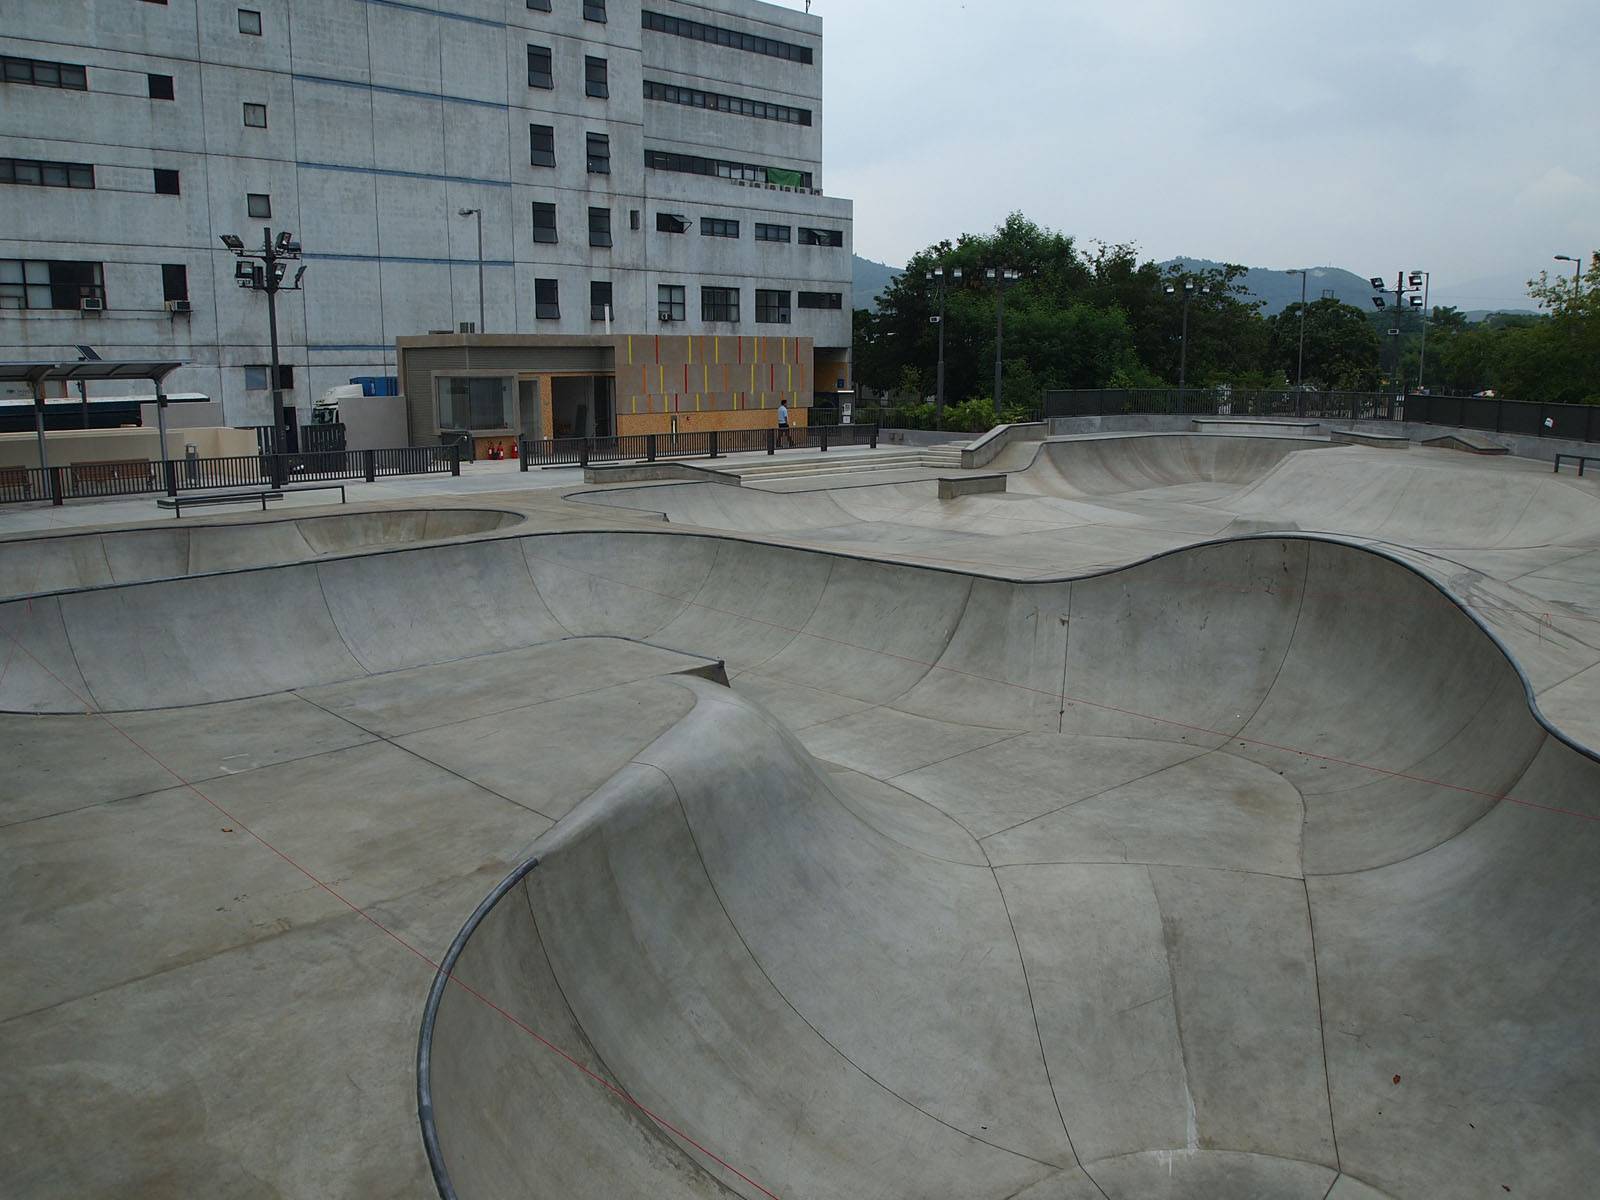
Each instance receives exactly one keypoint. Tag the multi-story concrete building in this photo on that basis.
(645, 178)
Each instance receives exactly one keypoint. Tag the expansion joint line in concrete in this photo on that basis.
(1033, 1012)
(1322, 1031)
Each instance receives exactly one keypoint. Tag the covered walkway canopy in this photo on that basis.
(38, 373)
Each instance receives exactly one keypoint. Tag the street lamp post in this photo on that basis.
(1000, 277)
(263, 270)
(1300, 368)
(1577, 273)
(938, 278)
(1189, 290)
(478, 213)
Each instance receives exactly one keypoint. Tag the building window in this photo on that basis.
(166, 182)
(546, 299)
(670, 300)
(821, 237)
(250, 21)
(34, 284)
(46, 174)
(600, 301)
(694, 164)
(539, 74)
(599, 154)
(633, 218)
(594, 10)
(174, 281)
(599, 227)
(821, 300)
(544, 221)
(719, 304)
(255, 378)
(258, 204)
(44, 74)
(700, 32)
(542, 145)
(771, 233)
(594, 77)
(539, 5)
(772, 308)
(718, 227)
(473, 401)
(670, 93)
(255, 115)
(671, 223)
(161, 87)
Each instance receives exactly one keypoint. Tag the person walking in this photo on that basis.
(783, 424)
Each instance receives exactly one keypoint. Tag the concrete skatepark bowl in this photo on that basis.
(1251, 868)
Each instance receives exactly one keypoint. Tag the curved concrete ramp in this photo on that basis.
(1245, 871)
(46, 564)
(1105, 466)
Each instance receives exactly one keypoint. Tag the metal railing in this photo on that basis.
(174, 475)
(708, 443)
(1578, 422)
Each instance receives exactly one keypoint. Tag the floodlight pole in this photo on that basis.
(1300, 369)
(1000, 277)
(274, 258)
(937, 277)
(478, 213)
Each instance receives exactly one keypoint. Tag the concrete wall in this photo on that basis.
(66, 446)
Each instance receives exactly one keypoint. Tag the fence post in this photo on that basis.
(772, 441)
(57, 485)
(713, 443)
(649, 447)
(455, 458)
(824, 434)
(583, 453)
(872, 437)
(369, 460)
(169, 472)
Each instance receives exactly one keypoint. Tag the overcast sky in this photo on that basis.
(1459, 137)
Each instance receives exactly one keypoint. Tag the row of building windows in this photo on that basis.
(46, 174)
(716, 303)
(694, 164)
(544, 227)
(40, 73)
(593, 10)
(736, 39)
(45, 284)
(695, 98)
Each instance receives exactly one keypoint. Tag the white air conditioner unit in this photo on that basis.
(742, 182)
(772, 187)
(786, 188)
(91, 304)
(178, 306)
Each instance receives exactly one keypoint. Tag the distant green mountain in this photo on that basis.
(868, 279)
(1277, 289)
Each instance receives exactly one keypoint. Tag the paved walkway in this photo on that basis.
(888, 845)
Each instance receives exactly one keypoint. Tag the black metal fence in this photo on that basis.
(174, 475)
(709, 443)
(1237, 402)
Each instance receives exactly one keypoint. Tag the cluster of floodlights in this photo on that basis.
(264, 270)
(1408, 288)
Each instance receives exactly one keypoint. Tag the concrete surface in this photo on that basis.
(888, 846)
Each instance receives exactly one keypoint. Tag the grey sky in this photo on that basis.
(1461, 138)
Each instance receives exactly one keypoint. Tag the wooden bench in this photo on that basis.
(179, 502)
(1580, 459)
(14, 482)
(85, 475)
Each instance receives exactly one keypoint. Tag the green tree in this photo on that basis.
(1342, 349)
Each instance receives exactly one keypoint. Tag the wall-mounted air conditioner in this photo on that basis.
(666, 318)
(178, 306)
(91, 304)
